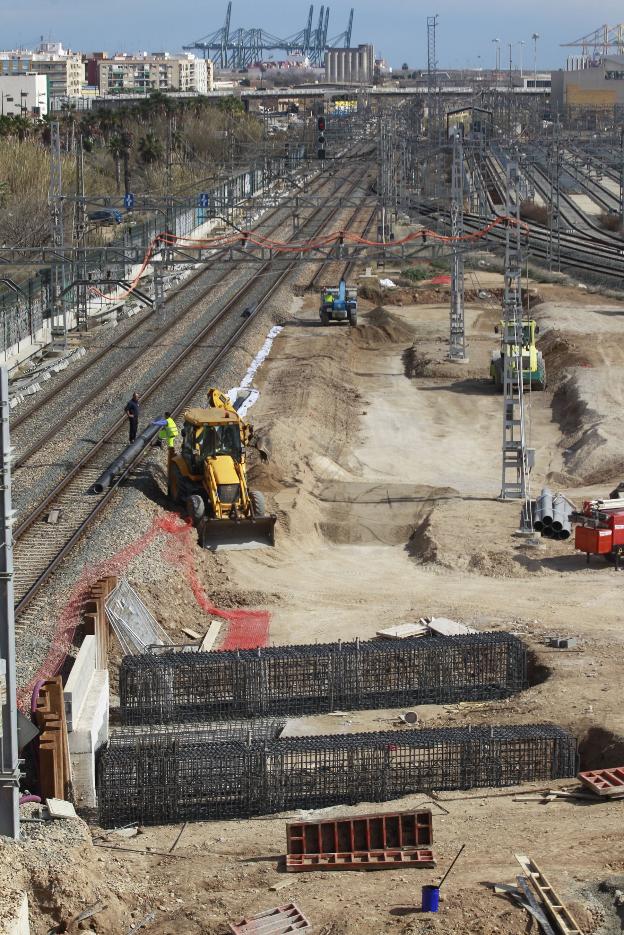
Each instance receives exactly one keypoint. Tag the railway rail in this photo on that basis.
(39, 546)
(56, 432)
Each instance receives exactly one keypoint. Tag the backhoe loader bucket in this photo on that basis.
(223, 534)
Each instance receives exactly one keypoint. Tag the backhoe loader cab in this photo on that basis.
(209, 479)
(533, 366)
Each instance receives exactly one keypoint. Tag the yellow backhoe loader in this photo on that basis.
(208, 477)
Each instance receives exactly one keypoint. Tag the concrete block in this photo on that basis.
(89, 734)
(562, 642)
(15, 920)
(77, 685)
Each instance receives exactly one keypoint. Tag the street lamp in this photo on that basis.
(522, 44)
(535, 37)
(497, 41)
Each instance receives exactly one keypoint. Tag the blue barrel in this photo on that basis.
(430, 898)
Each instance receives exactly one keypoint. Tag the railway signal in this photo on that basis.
(320, 123)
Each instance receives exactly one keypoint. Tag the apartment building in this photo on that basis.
(63, 70)
(23, 95)
(160, 71)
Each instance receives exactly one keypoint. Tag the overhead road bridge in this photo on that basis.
(310, 92)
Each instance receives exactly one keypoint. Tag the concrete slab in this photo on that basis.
(403, 631)
(77, 685)
(59, 808)
(442, 626)
(89, 734)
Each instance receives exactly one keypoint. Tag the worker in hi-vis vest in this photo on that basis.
(169, 431)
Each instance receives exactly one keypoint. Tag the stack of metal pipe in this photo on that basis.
(551, 515)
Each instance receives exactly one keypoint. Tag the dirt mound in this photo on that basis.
(416, 363)
(588, 407)
(422, 545)
(382, 327)
(561, 353)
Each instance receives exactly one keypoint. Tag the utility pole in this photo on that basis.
(9, 761)
(622, 176)
(553, 249)
(55, 202)
(169, 212)
(457, 336)
(80, 230)
(535, 37)
(517, 457)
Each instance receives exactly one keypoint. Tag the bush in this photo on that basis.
(417, 273)
(611, 222)
(529, 211)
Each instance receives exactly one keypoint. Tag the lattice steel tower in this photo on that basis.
(517, 458)
(80, 231)
(457, 335)
(55, 202)
(433, 107)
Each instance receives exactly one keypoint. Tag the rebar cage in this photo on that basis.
(296, 680)
(176, 775)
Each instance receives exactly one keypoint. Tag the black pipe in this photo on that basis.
(127, 456)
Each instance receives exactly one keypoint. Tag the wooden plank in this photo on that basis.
(192, 634)
(210, 637)
(563, 920)
(535, 909)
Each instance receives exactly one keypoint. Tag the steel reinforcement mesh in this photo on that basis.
(294, 680)
(176, 776)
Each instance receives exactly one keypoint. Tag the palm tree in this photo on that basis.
(150, 149)
(116, 148)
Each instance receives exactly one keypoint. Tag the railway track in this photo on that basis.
(578, 250)
(73, 411)
(39, 546)
(332, 271)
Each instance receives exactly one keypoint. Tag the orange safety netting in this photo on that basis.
(248, 629)
(302, 246)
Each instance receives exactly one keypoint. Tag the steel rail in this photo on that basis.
(52, 431)
(33, 588)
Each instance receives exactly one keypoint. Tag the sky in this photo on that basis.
(397, 28)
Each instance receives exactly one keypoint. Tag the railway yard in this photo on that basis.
(409, 644)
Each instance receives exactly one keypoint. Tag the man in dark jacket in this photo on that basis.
(132, 411)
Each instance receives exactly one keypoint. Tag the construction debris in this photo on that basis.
(362, 842)
(135, 627)
(403, 631)
(192, 634)
(562, 642)
(426, 626)
(210, 637)
(608, 783)
(562, 919)
(279, 921)
(523, 896)
(442, 626)
(58, 808)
